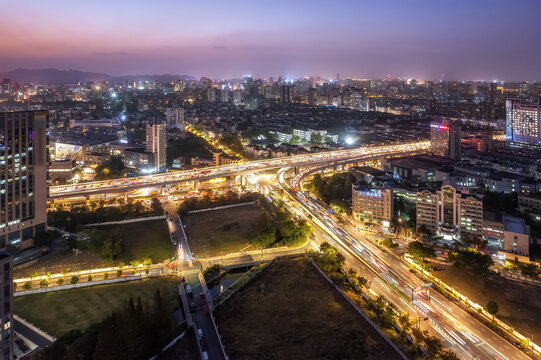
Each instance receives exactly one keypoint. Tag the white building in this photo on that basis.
(156, 144)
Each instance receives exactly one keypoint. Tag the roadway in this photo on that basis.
(162, 179)
(391, 277)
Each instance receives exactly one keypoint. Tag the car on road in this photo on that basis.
(205, 355)
(199, 334)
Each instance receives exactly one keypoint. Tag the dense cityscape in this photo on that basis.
(260, 216)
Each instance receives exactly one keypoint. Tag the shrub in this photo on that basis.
(147, 261)
(118, 273)
(89, 279)
(49, 274)
(59, 282)
(27, 285)
(74, 280)
(105, 276)
(44, 283)
(34, 274)
(134, 263)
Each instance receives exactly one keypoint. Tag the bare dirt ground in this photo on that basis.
(220, 232)
(291, 312)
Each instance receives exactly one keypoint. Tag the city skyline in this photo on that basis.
(429, 41)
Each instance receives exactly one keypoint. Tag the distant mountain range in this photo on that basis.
(70, 77)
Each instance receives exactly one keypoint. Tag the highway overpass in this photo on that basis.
(155, 180)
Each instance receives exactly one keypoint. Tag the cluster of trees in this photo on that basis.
(112, 169)
(283, 230)
(330, 260)
(336, 188)
(212, 271)
(104, 243)
(528, 269)
(420, 251)
(137, 331)
(471, 260)
(233, 142)
(71, 220)
(210, 202)
(389, 243)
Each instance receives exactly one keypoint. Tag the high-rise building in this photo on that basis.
(450, 212)
(157, 144)
(5, 86)
(6, 310)
(523, 122)
(175, 118)
(23, 178)
(372, 203)
(285, 94)
(364, 104)
(312, 96)
(445, 139)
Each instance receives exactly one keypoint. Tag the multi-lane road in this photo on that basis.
(162, 179)
(391, 277)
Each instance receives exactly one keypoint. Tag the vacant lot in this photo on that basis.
(220, 232)
(519, 304)
(60, 311)
(144, 239)
(291, 312)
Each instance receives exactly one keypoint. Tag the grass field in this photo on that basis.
(290, 312)
(60, 311)
(519, 304)
(144, 239)
(220, 232)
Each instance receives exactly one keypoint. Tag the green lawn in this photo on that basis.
(60, 311)
(144, 239)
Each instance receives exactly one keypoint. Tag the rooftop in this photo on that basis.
(514, 224)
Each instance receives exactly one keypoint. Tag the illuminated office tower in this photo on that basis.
(523, 122)
(23, 178)
(445, 139)
(157, 144)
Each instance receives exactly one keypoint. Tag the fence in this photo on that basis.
(78, 285)
(128, 221)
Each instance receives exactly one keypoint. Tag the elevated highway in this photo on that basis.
(334, 158)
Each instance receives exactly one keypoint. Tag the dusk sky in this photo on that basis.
(463, 39)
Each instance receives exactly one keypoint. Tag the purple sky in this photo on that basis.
(474, 39)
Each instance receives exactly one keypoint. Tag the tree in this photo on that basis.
(419, 251)
(34, 274)
(529, 269)
(74, 280)
(44, 283)
(156, 206)
(471, 260)
(389, 243)
(433, 347)
(118, 273)
(89, 279)
(492, 308)
(105, 276)
(27, 285)
(59, 282)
